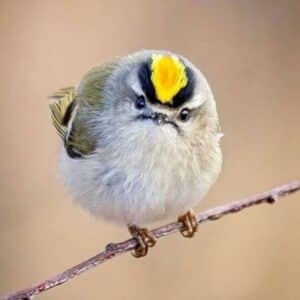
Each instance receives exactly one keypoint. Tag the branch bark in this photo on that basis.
(115, 249)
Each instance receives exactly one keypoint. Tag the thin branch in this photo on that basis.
(115, 249)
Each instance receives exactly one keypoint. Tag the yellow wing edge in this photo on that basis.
(59, 107)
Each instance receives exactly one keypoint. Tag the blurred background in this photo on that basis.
(250, 52)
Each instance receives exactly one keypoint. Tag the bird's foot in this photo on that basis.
(190, 224)
(145, 239)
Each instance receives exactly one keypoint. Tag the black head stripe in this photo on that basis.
(144, 75)
(185, 94)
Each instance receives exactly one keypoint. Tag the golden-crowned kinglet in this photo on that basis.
(141, 141)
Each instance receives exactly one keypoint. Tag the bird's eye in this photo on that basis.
(185, 114)
(140, 102)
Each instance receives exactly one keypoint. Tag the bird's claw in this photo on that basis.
(145, 239)
(190, 224)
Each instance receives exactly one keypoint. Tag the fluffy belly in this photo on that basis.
(137, 194)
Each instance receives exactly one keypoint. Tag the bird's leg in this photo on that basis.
(145, 239)
(190, 224)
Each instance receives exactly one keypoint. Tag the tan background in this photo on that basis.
(250, 51)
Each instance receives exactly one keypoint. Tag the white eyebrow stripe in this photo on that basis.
(196, 102)
(134, 84)
(137, 88)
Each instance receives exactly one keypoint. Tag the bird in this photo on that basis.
(140, 141)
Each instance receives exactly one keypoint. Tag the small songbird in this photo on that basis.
(141, 139)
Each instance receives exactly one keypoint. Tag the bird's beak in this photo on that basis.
(156, 117)
(159, 119)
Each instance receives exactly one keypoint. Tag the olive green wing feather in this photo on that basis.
(69, 110)
(64, 108)
(61, 108)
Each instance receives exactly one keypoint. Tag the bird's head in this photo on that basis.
(157, 94)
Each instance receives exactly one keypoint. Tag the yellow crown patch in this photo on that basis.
(168, 76)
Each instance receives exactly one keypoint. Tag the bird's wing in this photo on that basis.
(64, 107)
(68, 110)
(61, 109)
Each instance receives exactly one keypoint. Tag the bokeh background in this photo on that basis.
(250, 52)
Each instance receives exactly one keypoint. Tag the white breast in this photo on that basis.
(138, 181)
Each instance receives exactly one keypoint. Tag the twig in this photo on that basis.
(116, 249)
